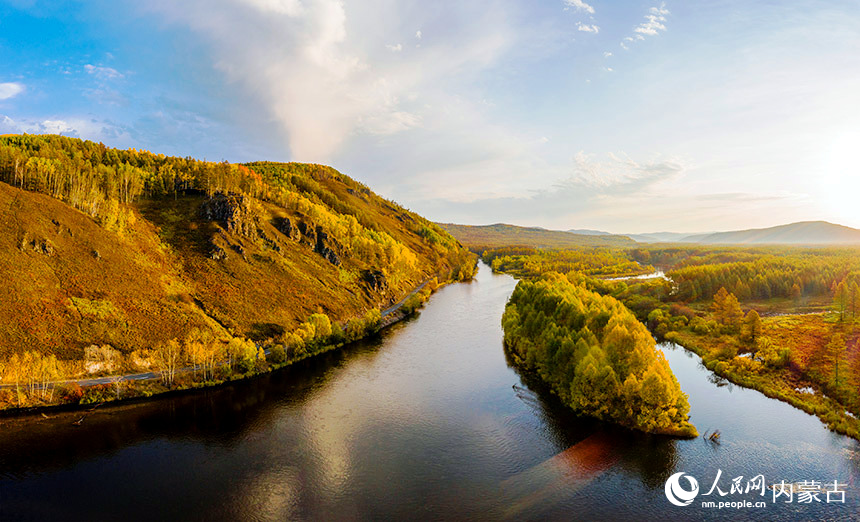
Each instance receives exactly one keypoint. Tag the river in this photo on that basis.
(426, 421)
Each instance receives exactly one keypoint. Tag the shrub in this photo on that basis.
(71, 392)
(278, 355)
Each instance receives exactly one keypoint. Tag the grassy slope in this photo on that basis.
(501, 235)
(156, 281)
(63, 301)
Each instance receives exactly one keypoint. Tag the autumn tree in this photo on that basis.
(242, 354)
(834, 351)
(796, 292)
(752, 326)
(727, 310)
(167, 357)
(853, 300)
(840, 299)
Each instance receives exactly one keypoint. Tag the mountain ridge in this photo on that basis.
(477, 237)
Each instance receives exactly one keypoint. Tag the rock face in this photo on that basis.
(375, 279)
(217, 253)
(234, 211)
(308, 234)
(323, 249)
(285, 226)
(43, 247)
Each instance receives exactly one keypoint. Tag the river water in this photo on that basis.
(427, 421)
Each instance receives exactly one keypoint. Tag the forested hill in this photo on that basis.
(130, 248)
(483, 237)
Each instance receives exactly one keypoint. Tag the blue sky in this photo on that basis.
(627, 116)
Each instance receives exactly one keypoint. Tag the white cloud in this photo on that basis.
(620, 173)
(578, 5)
(321, 74)
(652, 26)
(10, 90)
(607, 54)
(418, 35)
(608, 69)
(103, 73)
(285, 7)
(587, 28)
(77, 127)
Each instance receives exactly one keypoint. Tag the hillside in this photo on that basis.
(802, 233)
(130, 249)
(661, 237)
(501, 235)
(589, 232)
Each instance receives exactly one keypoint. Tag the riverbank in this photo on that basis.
(89, 393)
(776, 383)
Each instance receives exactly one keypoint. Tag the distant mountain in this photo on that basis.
(662, 237)
(802, 233)
(499, 235)
(589, 232)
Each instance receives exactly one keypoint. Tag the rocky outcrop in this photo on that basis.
(308, 234)
(234, 211)
(315, 237)
(376, 280)
(285, 227)
(323, 249)
(43, 247)
(217, 253)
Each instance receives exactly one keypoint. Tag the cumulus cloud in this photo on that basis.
(318, 71)
(653, 23)
(76, 127)
(578, 5)
(10, 90)
(587, 28)
(652, 26)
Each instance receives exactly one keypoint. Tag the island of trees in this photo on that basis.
(594, 355)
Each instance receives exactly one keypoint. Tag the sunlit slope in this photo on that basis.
(129, 248)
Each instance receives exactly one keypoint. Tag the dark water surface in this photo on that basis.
(426, 422)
